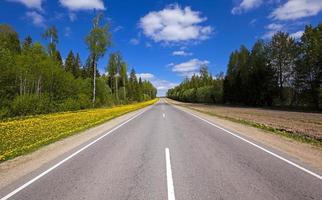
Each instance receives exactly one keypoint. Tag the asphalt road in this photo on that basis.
(166, 153)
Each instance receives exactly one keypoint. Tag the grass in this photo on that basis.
(270, 129)
(22, 136)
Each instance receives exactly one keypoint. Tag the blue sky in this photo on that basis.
(164, 40)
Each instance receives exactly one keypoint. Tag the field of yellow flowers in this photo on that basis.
(20, 136)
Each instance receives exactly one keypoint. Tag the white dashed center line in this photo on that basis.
(169, 175)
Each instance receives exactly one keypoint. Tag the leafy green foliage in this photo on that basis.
(280, 72)
(201, 88)
(34, 79)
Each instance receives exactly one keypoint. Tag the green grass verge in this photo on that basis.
(22, 136)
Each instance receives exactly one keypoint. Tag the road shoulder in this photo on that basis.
(14, 169)
(307, 154)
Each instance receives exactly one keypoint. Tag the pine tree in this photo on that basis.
(70, 63)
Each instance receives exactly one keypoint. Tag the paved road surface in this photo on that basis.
(166, 153)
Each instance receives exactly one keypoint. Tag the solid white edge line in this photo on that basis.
(171, 195)
(69, 157)
(257, 146)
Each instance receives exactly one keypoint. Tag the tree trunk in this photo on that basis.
(38, 85)
(124, 89)
(20, 88)
(116, 90)
(24, 86)
(94, 81)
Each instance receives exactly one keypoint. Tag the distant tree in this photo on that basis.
(27, 43)
(205, 76)
(58, 58)
(70, 63)
(98, 40)
(78, 65)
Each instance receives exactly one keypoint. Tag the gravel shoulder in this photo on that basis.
(307, 154)
(16, 168)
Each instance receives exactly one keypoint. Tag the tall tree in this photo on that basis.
(309, 68)
(133, 86)
(261, 83)
(9, 50)
(282, 58)
(98, 40)
(51, 34)
(123, 77)
(113, 69)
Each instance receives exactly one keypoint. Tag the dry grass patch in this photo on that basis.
(304, 125)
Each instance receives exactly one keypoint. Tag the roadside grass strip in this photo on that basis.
(22, 136)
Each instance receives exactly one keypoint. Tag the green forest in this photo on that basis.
(34, 79)
(282, 72)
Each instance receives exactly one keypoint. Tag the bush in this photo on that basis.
(30, 105)
(103, 94)
(4, 111)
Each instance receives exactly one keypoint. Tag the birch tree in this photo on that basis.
(97, 41)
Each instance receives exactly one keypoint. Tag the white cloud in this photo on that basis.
(181, 53)
(296, 9)
(72, 16)
(272, 29)
(83, 4)
(189, 68)
(67, 31)
(36, 18)
(145, 76)
(30, 3)
(118, 28)
(134, 41)
(175, 24)
(161, 85)
(252, 22)
(297, 35)
(170, 65)
(246, 5)
(275, 26)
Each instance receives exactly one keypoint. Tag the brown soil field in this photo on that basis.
(299, 123)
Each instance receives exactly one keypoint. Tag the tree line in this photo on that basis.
(200, 88)
(34, 79)
(282, 72)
